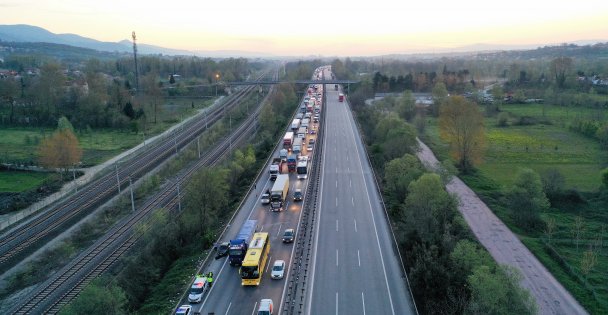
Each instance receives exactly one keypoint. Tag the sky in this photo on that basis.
(318, 27)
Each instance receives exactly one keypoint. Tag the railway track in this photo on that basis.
(26, 237)
(71, 280)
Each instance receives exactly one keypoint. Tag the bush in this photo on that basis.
(526, 199)
(503, 119)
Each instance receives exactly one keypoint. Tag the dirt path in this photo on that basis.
(506, 248)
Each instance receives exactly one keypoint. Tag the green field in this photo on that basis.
(20, 144)
(16, 182)
(579, 159)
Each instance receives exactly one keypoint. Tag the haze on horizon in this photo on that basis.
(317, 27)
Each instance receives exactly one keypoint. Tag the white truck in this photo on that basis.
(279, 191)
(295, 124)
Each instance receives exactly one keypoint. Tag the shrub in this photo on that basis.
(503, 119)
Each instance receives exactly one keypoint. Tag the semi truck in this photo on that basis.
(288, 139)
(275, 168)
(240, 244)
(279, 191)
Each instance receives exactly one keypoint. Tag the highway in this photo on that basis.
(227, 295)
(356, 269)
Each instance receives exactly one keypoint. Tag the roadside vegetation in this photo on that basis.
(449, 272)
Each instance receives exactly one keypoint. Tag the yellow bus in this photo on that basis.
(255, 259)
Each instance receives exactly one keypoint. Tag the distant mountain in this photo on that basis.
(29, 34)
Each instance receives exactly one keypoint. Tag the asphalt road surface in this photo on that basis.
(356, 269)
(506, 248)
(228, 296)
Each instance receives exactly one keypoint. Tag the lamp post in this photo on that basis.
(217, 79)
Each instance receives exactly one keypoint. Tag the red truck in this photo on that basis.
(341, 97)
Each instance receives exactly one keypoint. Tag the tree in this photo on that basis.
(9, 90)
(468, 256)
(50, 87)
(207, 196)
(497, 291)
(395, 137)
(440, 95)
(526, 198)
(398, 174)
(553, 181)
(428, 209)
(61, 150)
(461, 125)
(560, 68)
(588, 262)
(99, 297)
(578, 226)
(604, 175)
(63, 124)
(550, 229)
(406, 106)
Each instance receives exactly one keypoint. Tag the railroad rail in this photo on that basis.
(24, 238)
(71, 280)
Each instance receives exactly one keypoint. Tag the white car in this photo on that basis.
(265, 199)
(278, 269)
(183, 310)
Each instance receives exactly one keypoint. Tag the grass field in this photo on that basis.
(579, 159)
(20, 145)
(15, 181)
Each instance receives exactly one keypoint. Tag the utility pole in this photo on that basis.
(117, 179)
(135, 58)
(132, 199)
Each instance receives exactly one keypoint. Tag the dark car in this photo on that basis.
(222, 250)
(289, 235)
(297, 195)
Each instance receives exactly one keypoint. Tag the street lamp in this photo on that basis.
(217, 79)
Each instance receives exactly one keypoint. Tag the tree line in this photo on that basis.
(101, 93)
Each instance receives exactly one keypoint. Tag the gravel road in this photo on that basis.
(506, 248)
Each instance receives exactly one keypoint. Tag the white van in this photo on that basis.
(265, 307)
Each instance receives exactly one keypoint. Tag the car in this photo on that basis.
(309, 147)
(316, 119)
(313, 131)
(289, 235)
(265, 199)
(278, 269)
(183, 310)
(265, 307)
(297, 195)
(222, 250)
(311, 141)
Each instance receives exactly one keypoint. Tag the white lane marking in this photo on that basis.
(228, 308)
(336, 183)
(369, 201)
(336, 225)
(262, 228)
(352, 200)
(363, 300)
(315, 243)
(355, 225)
(336, 170)
(336, 302)
(254, 307)
(350, 181)
(336, 258)
(212, 287)
(359, 258)
(268, 265)
(348, 169)
(279, 231)
(336, 201)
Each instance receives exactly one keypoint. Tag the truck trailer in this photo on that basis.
(279, 191)
(288, 139)
(240, 244)
(275, 168)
